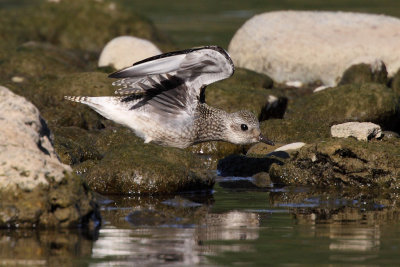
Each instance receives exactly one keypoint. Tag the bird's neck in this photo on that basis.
(210, 123)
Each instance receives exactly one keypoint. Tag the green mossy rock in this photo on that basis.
(74, 24)
(364, 73)
(115, 161)
(367, 102)
(310, 117)
(343, 163)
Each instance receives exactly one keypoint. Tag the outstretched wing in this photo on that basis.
(157, 77)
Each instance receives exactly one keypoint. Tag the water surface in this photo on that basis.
(289, 226)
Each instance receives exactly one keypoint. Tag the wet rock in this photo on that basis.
(115, 161)
(213, 151)
(37, 190)
(365, 73)
(260, 149)
(310, 117)
(258, 181)
(292, 146)
(295, 52)
(343, 163)
(123, 51)
(239, 165)
(80, 25)
(360, 130)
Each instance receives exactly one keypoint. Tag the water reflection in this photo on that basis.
(230, 226)
(176, 230)
(43, 248)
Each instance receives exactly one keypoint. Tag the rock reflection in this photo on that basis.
(352, 222)
(153, 231)
(355, 239)
(47, 248)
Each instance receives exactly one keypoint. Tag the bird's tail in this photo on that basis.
(79, 99)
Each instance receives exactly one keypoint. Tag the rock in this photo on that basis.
(292, 146)
(365, 73)
(305, 50)
(36, 188)
(239, 165)
(115, 161)
(310, 117)
(360, 130)
(343, 163)
(260, 149)
(123, 51)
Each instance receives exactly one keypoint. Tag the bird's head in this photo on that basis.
(244, 128)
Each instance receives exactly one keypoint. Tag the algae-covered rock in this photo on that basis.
(74, 24)
(343, 163)
(309, 118)
(36, 189)
(367, 102)
(115, 161)
(365, 73)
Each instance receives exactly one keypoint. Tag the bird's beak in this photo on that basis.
(265, 140)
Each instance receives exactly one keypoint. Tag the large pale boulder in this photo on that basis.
(36, 189)
(123, 51)
(27, 156)
(311, 47)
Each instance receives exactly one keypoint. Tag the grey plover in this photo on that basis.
(162, 100)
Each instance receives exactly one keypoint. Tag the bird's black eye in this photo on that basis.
(244, 127)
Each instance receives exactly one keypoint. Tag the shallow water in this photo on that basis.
(289, 226)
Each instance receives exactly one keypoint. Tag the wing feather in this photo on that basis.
(173, 82)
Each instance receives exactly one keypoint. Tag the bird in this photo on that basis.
(162, 99)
